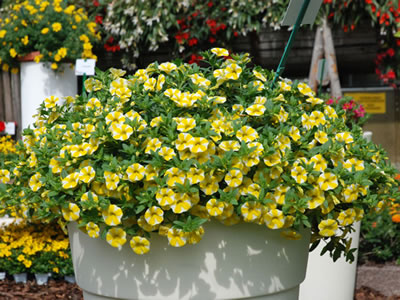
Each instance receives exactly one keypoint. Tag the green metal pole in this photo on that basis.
(296, 27)
(83, 83)
(321, 78)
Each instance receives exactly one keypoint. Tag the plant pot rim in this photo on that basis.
(29, 57)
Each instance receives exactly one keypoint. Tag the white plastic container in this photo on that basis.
(244, 261)
(20, 277)
(39, 82)
(42, 278)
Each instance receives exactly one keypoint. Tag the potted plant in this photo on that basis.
(41, 266)
(43, 39)
(159, 164)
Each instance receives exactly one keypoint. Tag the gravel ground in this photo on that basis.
(374, 282)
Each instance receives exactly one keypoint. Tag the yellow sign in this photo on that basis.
(374, 103)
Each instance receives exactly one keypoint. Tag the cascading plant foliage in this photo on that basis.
(174, 146)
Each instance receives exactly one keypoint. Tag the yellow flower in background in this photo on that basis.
(70, 181)
(220, 51)
(116, 237)
(45, 30)
(13, 53)
(56, 26)
(51, 102)
(154, 215)
(5, 176)
(3, 33)
(25, 40)
(140, 245)
(71, 213)
(345, 137)
(54, 66)
(93, 230)
(112, 215)
(328, 227)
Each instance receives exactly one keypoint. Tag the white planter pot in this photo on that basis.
(2, 275)
(20, 278)
(328, 280)
(38, 83)
(42, 278)
(239, 262)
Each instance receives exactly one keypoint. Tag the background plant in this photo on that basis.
(59, 30)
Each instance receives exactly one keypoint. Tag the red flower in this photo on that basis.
(211, 23)
(345, 28)
(192, 42)
(235, 33)
(391, 75)
(368, 1)
(2, 126)
(222, 26)
(195, 14)
(195, 59)
(210, 4)
(390, 52)
(212, 40)
(96, 3)
(99, 19)
(347, 106)
(398, 42)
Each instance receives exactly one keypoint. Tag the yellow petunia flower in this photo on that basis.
(251, 211)
(350, 193)
(209, 185)
(185, 124)
(347, 217)
(5, 176)
(35, 182)
(198, 144)
(165, 197)
(87, 174)
(345, 137)
(320, 163)
(153, 145)
(317, 197)
(321, 137)
(112, 180)
(354, 162)
(181, 204)
(167, 67)
(233, 71)
(255, 110)
(234, 178)
(175, 176)
(135, 172)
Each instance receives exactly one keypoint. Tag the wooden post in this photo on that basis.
(318, 53)
(16, 101)
(8, 107)
(2, 115)
(331, 64)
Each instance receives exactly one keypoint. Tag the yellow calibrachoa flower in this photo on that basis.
(255, 110)
(214, 207)
(112, 215)
(198, 144)
(116, 237)
(72, 212)
(220, 51)
(154, 215)
(35, 182)
(5, 176)
(234, 178)
(233, 71)
(347, 217)
(167, 67)
(135, 172)
(181, 204)
(327, 181)
(121, 132)
(71, 181)
(165, 197)
(176, 237)
(251, 211)
(87, 174)
(93, 230)
(112, 180)
(140, 245)
(299, 174)
(247, 134)
(327, 227)
(274, 219)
